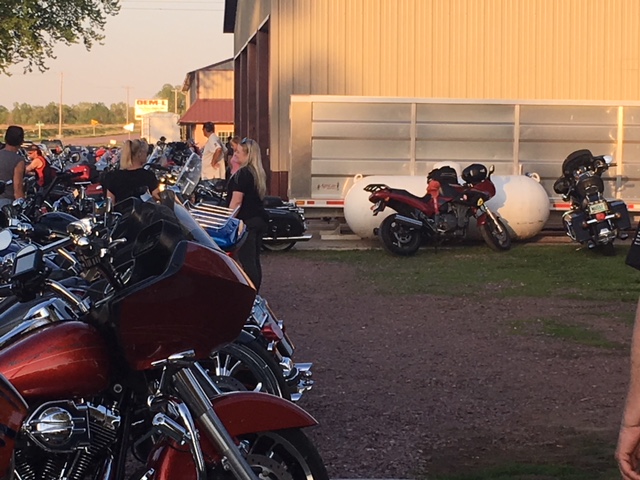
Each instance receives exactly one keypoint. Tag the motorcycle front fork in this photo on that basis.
(190, 385)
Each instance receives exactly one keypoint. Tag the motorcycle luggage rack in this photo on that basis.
(210, 215)
(374, 187)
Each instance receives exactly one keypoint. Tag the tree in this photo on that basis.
(170, 92)
(29, 29)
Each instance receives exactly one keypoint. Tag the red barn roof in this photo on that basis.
(209, 110)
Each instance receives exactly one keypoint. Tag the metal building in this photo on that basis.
(547, 50)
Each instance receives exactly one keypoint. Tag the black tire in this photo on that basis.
(278, 246)
(399, 239)
(247, 366)
(608, 249)
(492, 237)
(284, 455)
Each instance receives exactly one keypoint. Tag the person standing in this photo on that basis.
(628, 449)
(131, 180)
(12, 165)
(246, 192)
(213, 167)
(234, 164)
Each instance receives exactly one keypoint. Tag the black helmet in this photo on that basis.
(474, 173)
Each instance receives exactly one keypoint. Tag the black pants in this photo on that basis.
(249, 253)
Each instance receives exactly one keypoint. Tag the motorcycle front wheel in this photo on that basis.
(284, 455)
(398, 239)
(491, 235)
(246, 366)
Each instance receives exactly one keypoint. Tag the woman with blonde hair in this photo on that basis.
(246, 191)
(131, 180)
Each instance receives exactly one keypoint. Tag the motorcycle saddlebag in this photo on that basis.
(574, 221)
(618, 206)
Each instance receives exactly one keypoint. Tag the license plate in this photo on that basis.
(598, 208)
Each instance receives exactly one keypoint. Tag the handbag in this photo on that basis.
(227, 234)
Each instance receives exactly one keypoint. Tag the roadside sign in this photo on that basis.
(142, 106)
(129, 127)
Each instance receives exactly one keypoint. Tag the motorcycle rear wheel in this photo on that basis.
(247, 366)
(284, 455)
(278, 246)
(397, 238)
(497, 241)
(608, 249)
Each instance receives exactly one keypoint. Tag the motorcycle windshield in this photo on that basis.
(189, 175)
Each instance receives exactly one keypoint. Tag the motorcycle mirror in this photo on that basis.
(5, 238)
(492, 168)
(608, 159)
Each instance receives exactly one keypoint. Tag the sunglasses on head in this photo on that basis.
(246, 141)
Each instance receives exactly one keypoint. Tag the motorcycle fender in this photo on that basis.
(245, 338)
(241, 413)
(251, 412)
(481, 219)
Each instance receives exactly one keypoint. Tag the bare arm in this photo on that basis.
(217, 156)
(627, 452)
(18, 179)
(236, 200)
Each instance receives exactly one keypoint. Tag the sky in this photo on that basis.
(148, 44)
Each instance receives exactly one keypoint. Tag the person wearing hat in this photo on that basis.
(12, 165)
(39, 166)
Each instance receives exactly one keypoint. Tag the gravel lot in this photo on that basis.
(423, 384)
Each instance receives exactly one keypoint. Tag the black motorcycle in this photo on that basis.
(592, 220)
(287, 224)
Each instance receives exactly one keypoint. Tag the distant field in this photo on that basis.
(32, 133)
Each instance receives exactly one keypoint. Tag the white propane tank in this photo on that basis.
(520, 201)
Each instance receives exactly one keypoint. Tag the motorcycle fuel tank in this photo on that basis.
(62, 359)
(521, 202)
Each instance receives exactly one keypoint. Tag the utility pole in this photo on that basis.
(175, 99)
(60, 108)
(127, 88)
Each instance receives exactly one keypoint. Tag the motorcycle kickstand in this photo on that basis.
(195, 398)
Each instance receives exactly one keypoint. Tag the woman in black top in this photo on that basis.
(131, 180)
(246, 190)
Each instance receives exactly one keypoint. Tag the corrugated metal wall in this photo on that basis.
(525, 49)
(215, 84)
(466, 49)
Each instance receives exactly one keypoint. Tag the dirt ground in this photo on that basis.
(416, 385)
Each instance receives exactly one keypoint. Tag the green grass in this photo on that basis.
(526, 270)
(578, 334)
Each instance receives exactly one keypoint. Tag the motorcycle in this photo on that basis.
(592, 220)
(287, 224)
(86, 379)
(442, 214)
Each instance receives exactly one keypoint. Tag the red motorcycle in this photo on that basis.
(88, 379)
(442, 214)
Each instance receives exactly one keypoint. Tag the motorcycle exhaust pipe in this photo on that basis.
(409, 222)
(301, 238)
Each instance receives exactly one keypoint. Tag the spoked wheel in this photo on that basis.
(246, 366)
(496, 239)
(278, 246)
(397, 238)
(284, 455)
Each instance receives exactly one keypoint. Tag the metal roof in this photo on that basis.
(209, 110)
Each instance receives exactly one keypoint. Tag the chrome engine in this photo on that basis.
(64, 439)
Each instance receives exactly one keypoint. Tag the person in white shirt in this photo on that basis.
(213, 167)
